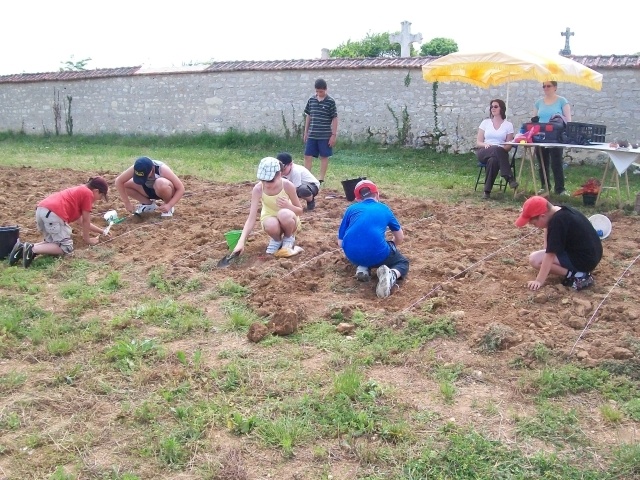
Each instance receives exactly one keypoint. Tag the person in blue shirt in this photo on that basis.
(362, 237)
(550, 105)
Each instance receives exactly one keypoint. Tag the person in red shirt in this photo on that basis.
(53, 216)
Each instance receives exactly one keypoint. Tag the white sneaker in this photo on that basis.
(143, 207)
(169, 213)
(386, 280)
(288, 242)
(362, 273)
(274, 246)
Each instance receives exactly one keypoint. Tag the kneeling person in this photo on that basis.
(362, 236)
(572, 247)
(307, 186)
(147, 181)
(53, 216)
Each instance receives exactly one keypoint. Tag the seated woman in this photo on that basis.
(491, 133)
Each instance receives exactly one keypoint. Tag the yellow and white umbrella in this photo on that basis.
(488, 69)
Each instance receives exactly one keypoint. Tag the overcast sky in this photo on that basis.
(38, 36)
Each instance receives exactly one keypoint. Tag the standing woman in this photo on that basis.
(545, 108)
(492, 132)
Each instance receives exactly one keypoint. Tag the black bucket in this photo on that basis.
(8, 238)
(349, 187)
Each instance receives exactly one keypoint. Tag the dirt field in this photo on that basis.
(467, 258)
(464, 257)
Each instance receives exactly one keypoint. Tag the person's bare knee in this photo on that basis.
(164, 189)
(535, 260)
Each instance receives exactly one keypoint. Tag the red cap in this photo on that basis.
(365, 189)
(533, 207)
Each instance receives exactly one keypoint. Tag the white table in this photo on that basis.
(621, 158)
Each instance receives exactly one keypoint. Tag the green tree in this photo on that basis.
(72, 65)
(439, 46)
(373, 45)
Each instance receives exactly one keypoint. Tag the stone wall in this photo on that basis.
(273, 99)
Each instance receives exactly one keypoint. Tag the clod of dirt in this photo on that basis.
(498, 337)
(575, 322)
(582, 355)
(620, 353)
(257, 331)
(284, 323)
(345, 328)
(346, 310)
(540, 298)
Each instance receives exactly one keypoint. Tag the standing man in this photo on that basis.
(320, 128)
(306, 184)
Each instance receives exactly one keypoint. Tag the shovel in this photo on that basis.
(226, 260)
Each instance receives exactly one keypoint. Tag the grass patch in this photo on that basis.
(552, 425)
(466, 454)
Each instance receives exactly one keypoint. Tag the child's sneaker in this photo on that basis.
(386, 280)
(167, 214)
(288, 242)
(16, 253)
(274, 246)
(362, 273)
(582, 282)
(27, 254)
(144, 208)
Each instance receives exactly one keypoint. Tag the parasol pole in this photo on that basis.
(507, 101)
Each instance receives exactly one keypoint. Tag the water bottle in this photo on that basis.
(111, 216)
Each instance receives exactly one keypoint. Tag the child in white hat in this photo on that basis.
(281, 208)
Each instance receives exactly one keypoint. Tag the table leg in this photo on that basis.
(626, 176)
(606, 167)
(618, 188)
(532, 156)
(522, 160)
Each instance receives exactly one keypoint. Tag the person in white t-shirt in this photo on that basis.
(307, 186)
(492, 132)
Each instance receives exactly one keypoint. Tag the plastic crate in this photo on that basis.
(547, 133)
(578, 133)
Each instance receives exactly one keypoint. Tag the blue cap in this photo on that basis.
(141, 170)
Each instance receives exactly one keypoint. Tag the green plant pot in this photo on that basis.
(589, 199)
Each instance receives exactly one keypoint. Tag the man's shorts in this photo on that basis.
(307, 190)
(55, 229)
(151, 193)
(565, 261)
(318, 147)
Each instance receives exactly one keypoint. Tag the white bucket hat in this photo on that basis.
(268, 168)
